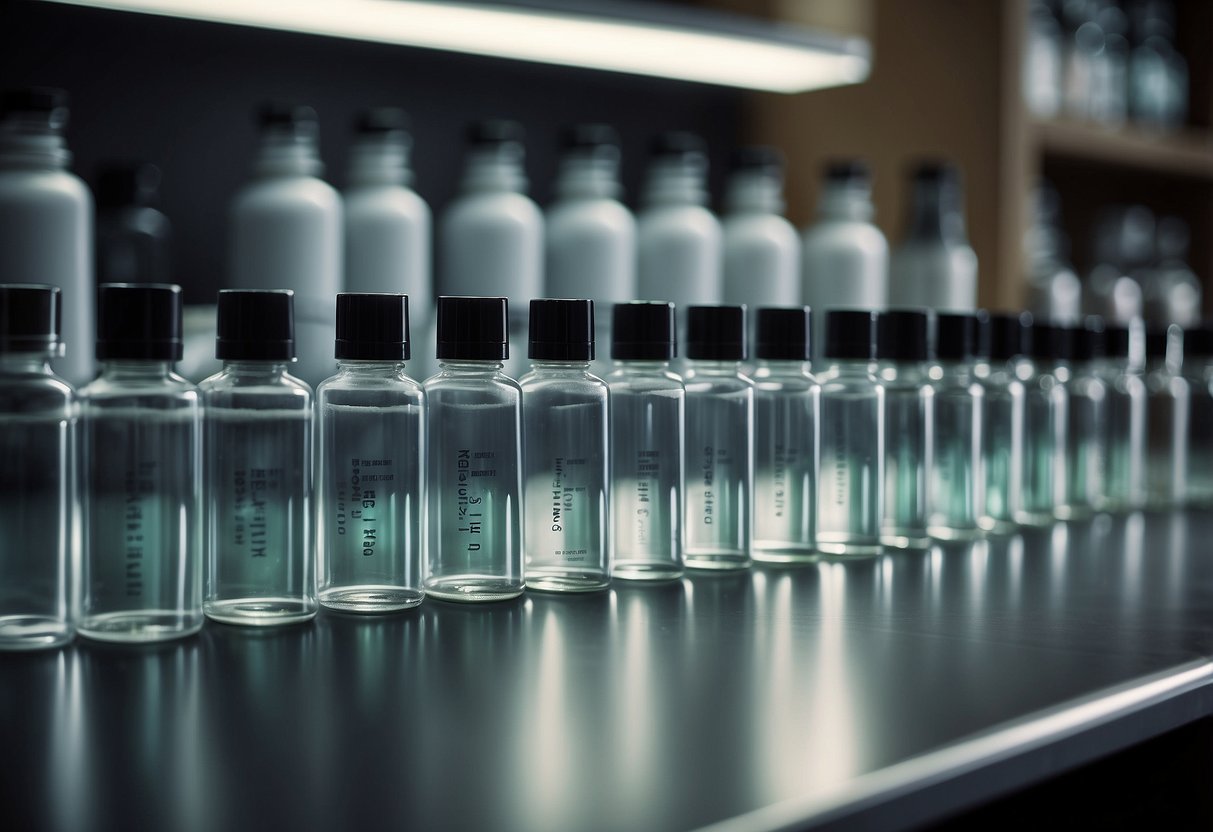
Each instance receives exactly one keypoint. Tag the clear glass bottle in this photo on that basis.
(37, 479)
(647, 420)
(474, 465)
(1002, 450)
(850, 483)
(787, 404)
(1125, 453)
(371, 461)
(1168, 396)
(909, 415)
(1198, 370)
(565, 411)
(719, 487)
(141, 432)
(1087, 431)
(260, 560)
(956, 479)
(1046, 418)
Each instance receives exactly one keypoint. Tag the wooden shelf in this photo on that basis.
(1188, 153)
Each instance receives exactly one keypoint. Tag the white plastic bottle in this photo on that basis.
(761, 248)
(286, 232)
(46, 217)
(490, 237)
(845, 257)
(590, 236)
(934, 267)
(387, 226)
(678, 238)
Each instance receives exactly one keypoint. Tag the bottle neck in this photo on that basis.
(675, 182)
(271, 370)
(494, 169)
(936, 215)
(846, 201)
(588, 177)
(851, 367)
(754, 192)
(464, 367)
(36, 147)
(560, 367)
(380, 160)
(130, 369)
(641, 367)
(26, 363)
(369, 369)
(287, 155)
(707, 367)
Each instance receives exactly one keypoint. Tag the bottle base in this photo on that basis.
(566, 580)
(33, 632)
(473, 589)
(997, 525)
(646, 571)
(139, 627)
(261, 612)
(371, 599)
(847, 545)
(717, 561)
(905, 539)
(956, 532)
(1035, 518)
(775, 551)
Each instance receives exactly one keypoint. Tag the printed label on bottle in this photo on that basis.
(648, 470)
(358, 494)
(468, 503)
(251, 490)
(139, 484)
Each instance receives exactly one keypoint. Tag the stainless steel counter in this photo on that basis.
(889, 690)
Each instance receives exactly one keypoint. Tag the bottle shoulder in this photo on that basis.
(34, 393)
(227, 382)
(168, 386)
(386, 201)
(303, 194)
(627, 381)
(397, 384)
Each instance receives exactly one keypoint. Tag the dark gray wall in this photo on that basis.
(182, 94)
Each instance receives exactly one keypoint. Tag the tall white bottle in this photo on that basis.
(845, 257)
(387, 226)
(678, 238)
(286, 232)
(490, 237)
(761, 248)
(46, 217)
(934, 267)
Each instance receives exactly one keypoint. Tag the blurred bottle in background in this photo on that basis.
(1054, 291)
(934, 267)
(1172, 292)
(1084, 46)
(1158, 74)
(1109, 99)
(1123, 247)
(133, 235)
(1043, 61)
(1198, 370)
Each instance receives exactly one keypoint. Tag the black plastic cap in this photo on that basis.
(848, 170)
(1006, 336)
(495, 131)
(1091, 340)
(33, 100)
(561, 330)
(372, 327)
(935, 172)
(643, 331)
(139, 321)
(298, 117)
(955, 336)
(380, 120)
(678, 144)
(784, 334)
(589, 137)
(1052, 342)
(851, 333)
(901, 335)
(256, 325)
(716, 333)
(31, 316)
(1198, 342)
(1156, 345)
(758, 158)
(123, 184)
(473, 329)
(1117, 342)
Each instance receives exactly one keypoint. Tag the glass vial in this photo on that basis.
(1198, 370)
(1167, 402)
(37, 479)
(647, 420)
(1046, 418)
(565, 411)
(474, 464)
(260, 561)
(719, 485)
(141, 443)
(956, 479)
(850, 492)
(369, 523)
(1125, 452)
(1087, 432)
(909, 403)
(1002, 445)
(787, 402)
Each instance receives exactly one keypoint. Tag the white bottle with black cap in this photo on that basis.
(590, 235)
(845, 257)
(934, 267)
(286, 231)
(387, 224)
(490, 237)
(761, 248)
(678, 238)
(46, 217)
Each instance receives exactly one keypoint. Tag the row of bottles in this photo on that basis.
(290, 228)
(159, 501)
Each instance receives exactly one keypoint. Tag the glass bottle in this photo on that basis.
(1126, 431)
(719, 487)
(647, 420)
(956, 479)
(1168, 395)
(909, 405)
(565, 411)
(142, 476)
(787, 403)
(37, 479)
(1002, 450)
(850, 492)
(474, 465)
(1046, 418)
(371, 461)
(260, 562)
(1087, 431)
(1198, 370)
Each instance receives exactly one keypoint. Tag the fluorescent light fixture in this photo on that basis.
(766, 57)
